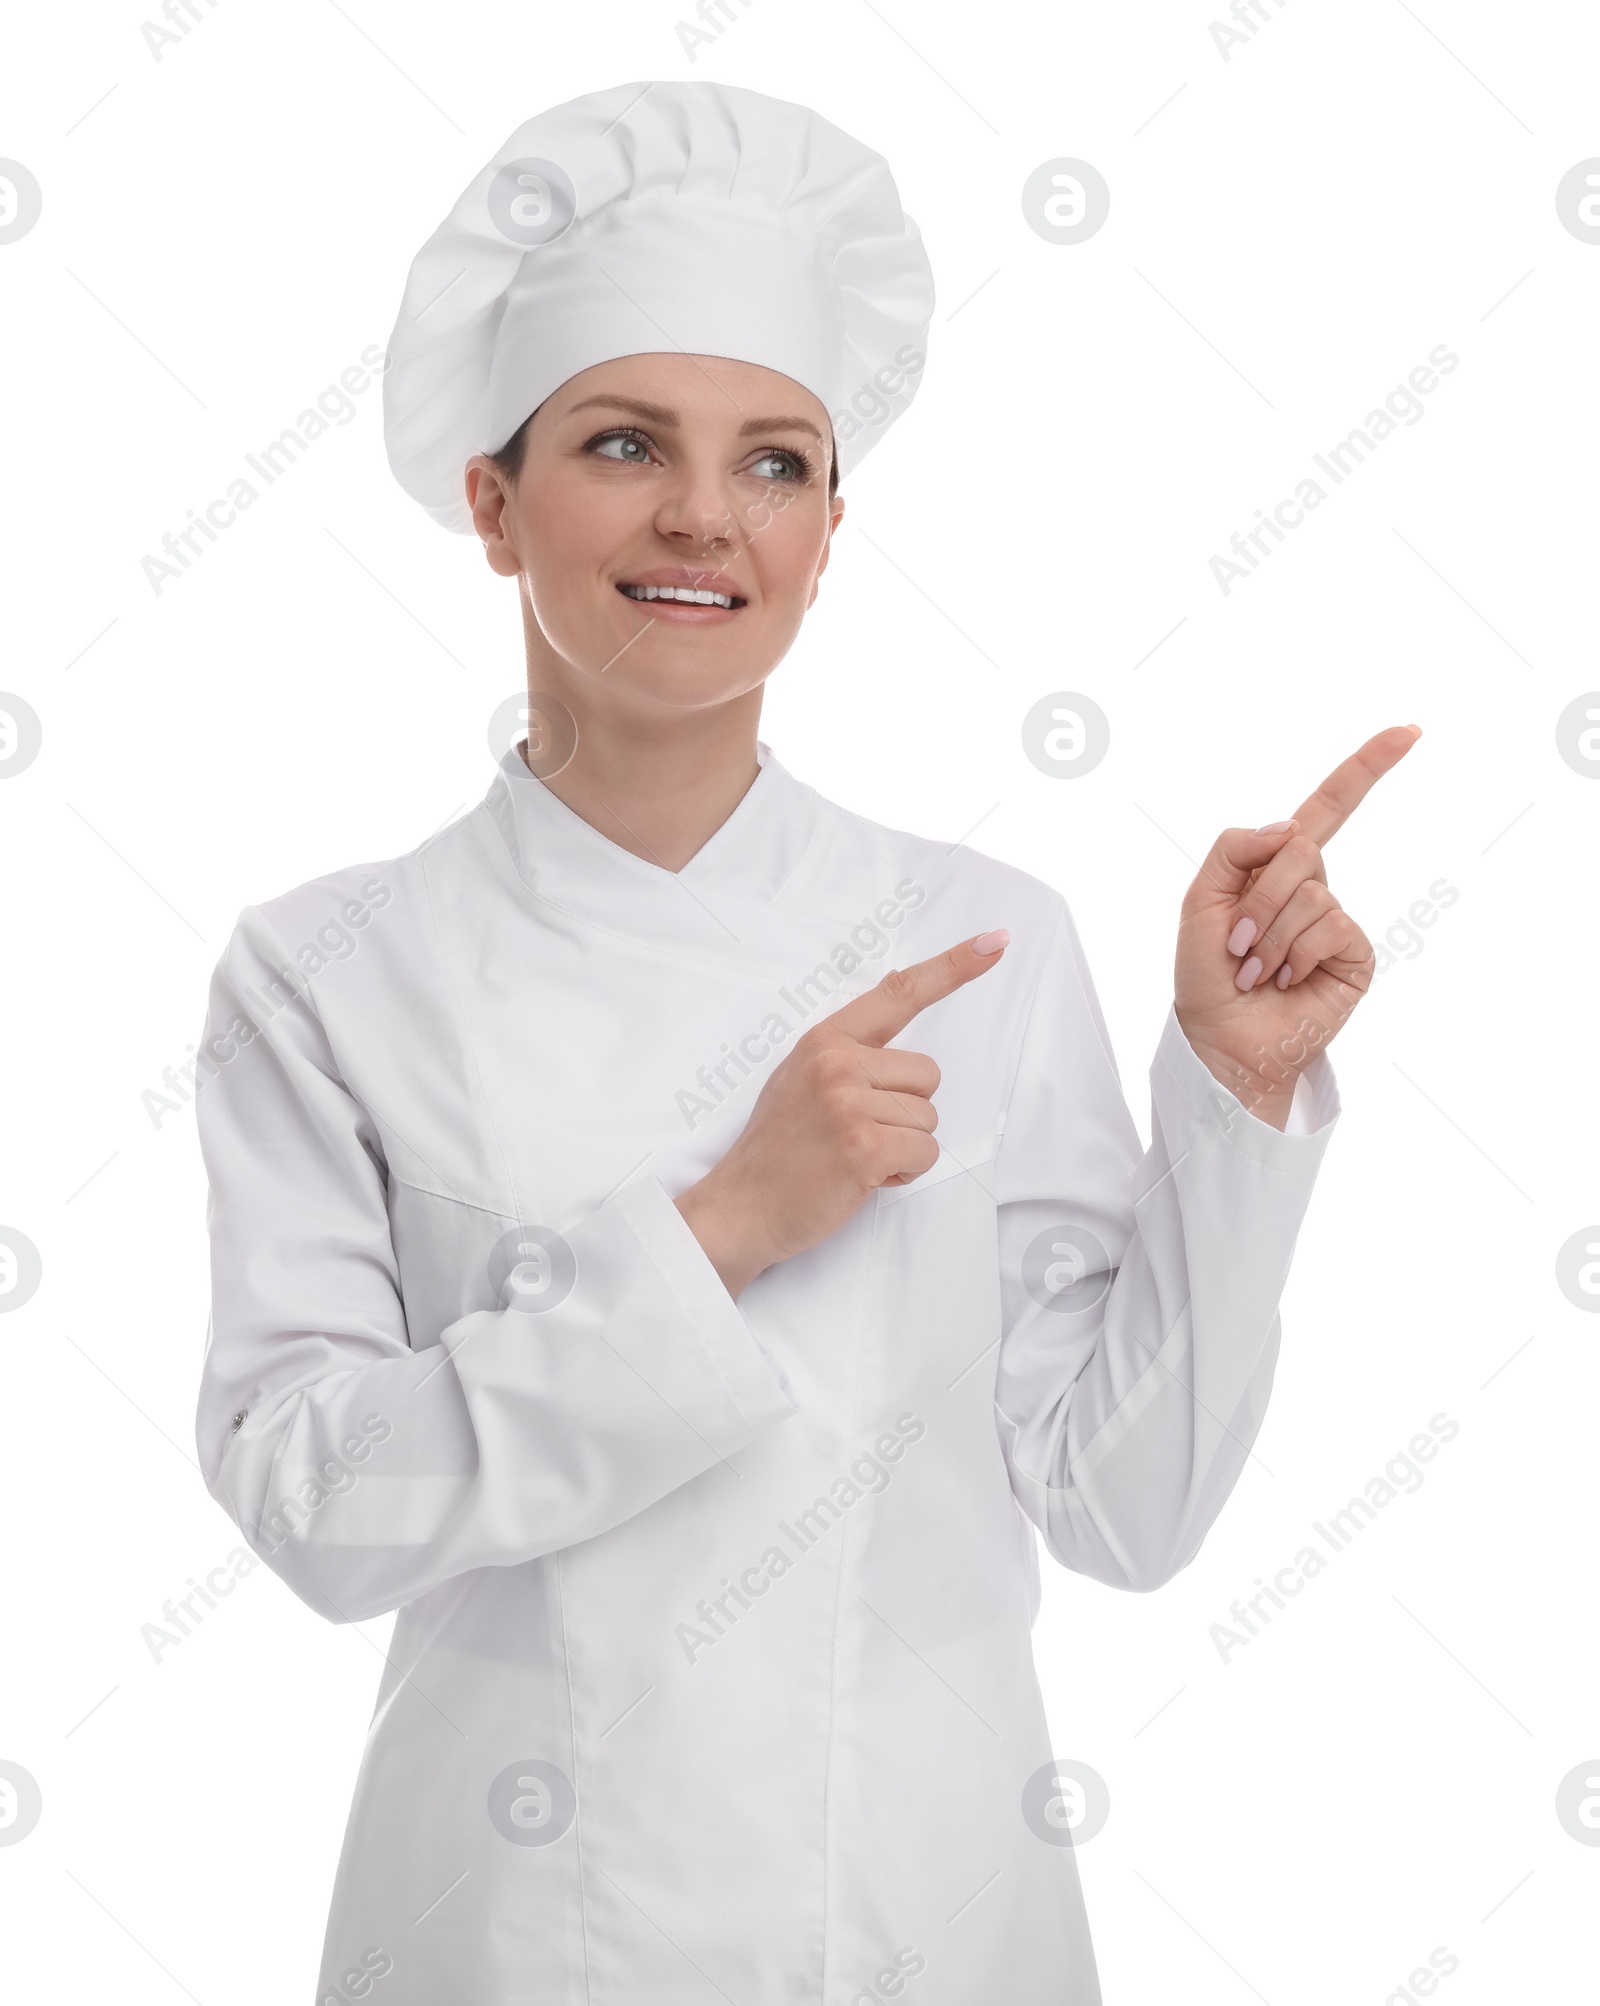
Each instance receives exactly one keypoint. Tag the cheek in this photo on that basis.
(785, 555)
(571, 538)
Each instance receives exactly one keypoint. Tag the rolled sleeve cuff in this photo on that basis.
(755, 1382)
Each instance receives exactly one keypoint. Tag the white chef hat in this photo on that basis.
(692, 217)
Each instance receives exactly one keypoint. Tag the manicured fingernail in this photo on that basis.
(1272, 828)
(991, 943)
(1243, 933)
(1246, 978)
(1283, 976)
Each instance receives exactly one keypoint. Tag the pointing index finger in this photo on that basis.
(1326, 808)
(885, 1011)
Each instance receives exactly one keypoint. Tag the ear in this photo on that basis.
(487, 497)
(835, 515)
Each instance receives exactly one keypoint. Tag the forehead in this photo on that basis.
(697, 390)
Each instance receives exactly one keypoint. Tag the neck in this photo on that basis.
(660, 788)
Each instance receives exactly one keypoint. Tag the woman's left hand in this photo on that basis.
(1269, 964)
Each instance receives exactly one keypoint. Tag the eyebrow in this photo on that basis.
(660, 414)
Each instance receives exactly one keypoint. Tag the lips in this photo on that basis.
(679, 592)
(679, 595)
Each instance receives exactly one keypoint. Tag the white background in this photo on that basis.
(1292, 230)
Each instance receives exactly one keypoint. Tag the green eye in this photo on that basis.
(790, 466)
(635, 448)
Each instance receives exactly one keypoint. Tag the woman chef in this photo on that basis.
(590, 1285)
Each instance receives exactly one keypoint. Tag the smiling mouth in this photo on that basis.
(682, 595)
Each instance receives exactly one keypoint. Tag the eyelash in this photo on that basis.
(803, 461)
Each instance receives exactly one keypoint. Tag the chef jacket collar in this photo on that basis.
(719, 900)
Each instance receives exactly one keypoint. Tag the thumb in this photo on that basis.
(888, 1008)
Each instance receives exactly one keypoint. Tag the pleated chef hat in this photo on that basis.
(693, 217)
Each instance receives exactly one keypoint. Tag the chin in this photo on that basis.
(694, 667)
(690, 685)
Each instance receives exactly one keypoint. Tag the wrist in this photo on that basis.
(1265, 1088)
(729, 1235)
(1268, 1100)
(1268, 1095)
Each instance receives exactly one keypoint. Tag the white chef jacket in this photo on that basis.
(711, 1675)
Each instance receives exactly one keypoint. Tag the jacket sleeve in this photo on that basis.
(1139, 1288)
(368, 1463)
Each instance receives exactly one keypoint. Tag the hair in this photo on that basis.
(508, 461)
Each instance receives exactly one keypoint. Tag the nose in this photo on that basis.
(696, 509)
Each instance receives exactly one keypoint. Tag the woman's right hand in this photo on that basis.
(840, 1116)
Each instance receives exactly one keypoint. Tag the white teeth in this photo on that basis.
(685, 594)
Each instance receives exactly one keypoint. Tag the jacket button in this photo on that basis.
(238, 1421)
